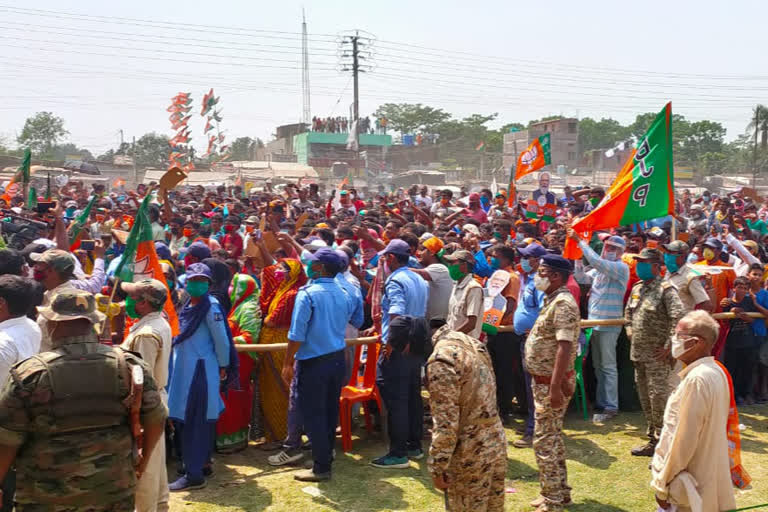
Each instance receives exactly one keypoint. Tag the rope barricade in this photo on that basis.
(277, 347)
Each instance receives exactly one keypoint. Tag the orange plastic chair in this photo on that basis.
(359, 390)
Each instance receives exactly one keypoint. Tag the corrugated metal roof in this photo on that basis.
(263, 169)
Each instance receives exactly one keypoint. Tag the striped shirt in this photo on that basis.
(609, 284)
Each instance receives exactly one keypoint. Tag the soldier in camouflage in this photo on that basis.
(64, 417)
(467, 458)
(652, 313)
(550, 352)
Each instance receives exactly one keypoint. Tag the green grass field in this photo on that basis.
(604, 476)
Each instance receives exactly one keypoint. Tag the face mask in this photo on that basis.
(311, 272)
(541, 283)
(249, 229)
(187, 232)
(644, 270)
(594, 201)
(171, 284)
(519, 237)
(70, 212)
(484, 200)
(130, 307)
(670, 261)
(611, 256)
(708, 254)
(304, 257)
(197, 288)
(678, 346)
(692, 258)
(444, 202)
(280, 275)
(455, 272)
(495, 263)
(526, 266)
(38, 275)
(229, 228)
(500, 201)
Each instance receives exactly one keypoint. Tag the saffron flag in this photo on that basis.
(535, 156)
(643, 188)
(480, 146)
(140, 261)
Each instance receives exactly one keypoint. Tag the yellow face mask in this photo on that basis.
(708, 254)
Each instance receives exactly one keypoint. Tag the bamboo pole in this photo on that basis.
(584, 324)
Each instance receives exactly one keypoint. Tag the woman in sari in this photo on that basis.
(280, 284)
(245, 324)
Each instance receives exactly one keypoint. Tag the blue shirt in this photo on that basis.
(758, 324)
(529, 306)
(355, 297)
(209, 344)
(405, 293)
(319, 318)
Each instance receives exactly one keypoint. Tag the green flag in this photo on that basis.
(23, 171)
(79, 223)
(32, 199)
(48, 189)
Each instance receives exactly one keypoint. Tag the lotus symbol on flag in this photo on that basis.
(142, 270)
(529, 156)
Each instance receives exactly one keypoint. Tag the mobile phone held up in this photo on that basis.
(87, 245)
(45, 206)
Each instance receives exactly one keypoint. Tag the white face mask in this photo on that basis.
(541, 283)
(610, 256)
(678, 346)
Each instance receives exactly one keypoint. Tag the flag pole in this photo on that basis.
(108, 320)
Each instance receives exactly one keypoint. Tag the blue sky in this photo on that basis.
(110, 66)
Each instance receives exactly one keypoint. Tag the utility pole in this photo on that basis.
(758, 111)
(133, 158)
(356, 41)
(306, 116)
(121, 138)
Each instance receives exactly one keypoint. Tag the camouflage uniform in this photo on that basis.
(557, 321)
(468, 442)
(652, 313)
(73, 438)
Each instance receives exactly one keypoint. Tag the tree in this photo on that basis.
(62, 151)
(759, 120)
(41, 132)
(701, 137)
(151, 150)
(602, 134)
(407, 117)
(243, 148)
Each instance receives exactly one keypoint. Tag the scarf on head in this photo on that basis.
(278, 297)
(190, 319)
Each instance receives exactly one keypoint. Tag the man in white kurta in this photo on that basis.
(690, 467)
(151, 338)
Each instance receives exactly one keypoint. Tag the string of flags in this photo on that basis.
(621, 146)
(180, 153)
(217, 150)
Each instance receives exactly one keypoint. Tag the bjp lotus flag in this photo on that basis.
(140, 260)
(535, 156)
(643, 188)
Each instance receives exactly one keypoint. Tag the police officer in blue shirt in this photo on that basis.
(527, 312)
(399, 374)
(316, 342)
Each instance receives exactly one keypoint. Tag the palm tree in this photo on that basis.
(759, 123)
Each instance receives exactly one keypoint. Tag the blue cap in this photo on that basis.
(714, 243)
(326, 256)
(162, 250)
(557, 262)
(199, 269)
(533, 251)
(615, 241)
(398, 246)
(344, 257)
(199, 250)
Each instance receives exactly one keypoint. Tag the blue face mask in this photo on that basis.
(526, 266)
(670, 261)
(644, 270)
(484, 200)
(495, 263)
(692, 258)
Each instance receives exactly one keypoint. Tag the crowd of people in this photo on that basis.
(340, 124)
(468, 296)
